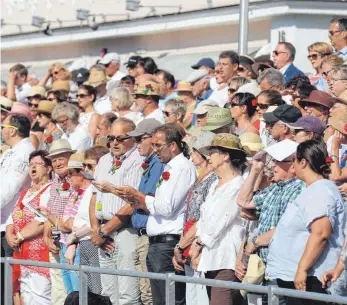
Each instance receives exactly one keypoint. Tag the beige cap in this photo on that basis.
(204, 106)
(5, 103)
(61, 85)
(37, 90)
(184, 86)
(216, 118)
(59, 147)
(96, 78)
(76, 161)
(45, 106)
(251, 140)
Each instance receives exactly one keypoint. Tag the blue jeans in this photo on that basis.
(70, 277)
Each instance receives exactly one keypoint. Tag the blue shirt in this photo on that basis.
(343, 53)
(147, 186)
(199, 100)
(320, 199)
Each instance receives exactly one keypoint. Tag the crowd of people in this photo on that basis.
(236, 173)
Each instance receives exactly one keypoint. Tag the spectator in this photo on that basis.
(36, 95)
(268, 98)
(18, 88)
(131, 65)
(66, 115)
(339, 80)
(338, 36)
(316, 52)
(3, 89)
(200, 82)
(219, 120)
(201, 112)
(208, 65)
(313, 227)
(88, 118)
(175, 111)
(329, 63)
(234, 84)
(80, 76)
(244, 69)
(56, 71)
(301, 92)
(146, 65)
(111, 62)
(5, 107)
(104, 127)
(284, 56)
(128, 82)
(147, 97)
(308, 127)
(340, 105)
(185, 93)
(167, 85)
(271, 79)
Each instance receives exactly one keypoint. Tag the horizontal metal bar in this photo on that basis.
(309, 295)
(41, 264)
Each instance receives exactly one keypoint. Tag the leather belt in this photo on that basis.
(164, 238)
(141, 232)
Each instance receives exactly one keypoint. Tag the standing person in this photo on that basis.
(338, 36)
(59, 154)
(18, 88)
(24, 234)
(166, 208)
(309, 235)
(284, 56)
(152, 170)
(110, 215)
(89, 119)
(167, 85)
(66, 115)
(111, 62)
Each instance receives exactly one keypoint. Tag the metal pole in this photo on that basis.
(243, 27)
(169, 290)
(8, 283)
(83, 294)
(272, 298)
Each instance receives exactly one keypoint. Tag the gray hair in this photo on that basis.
(272, 76)
(3, 85)
(341, 21)
(290, 49)
(207, 79)
(239, 81)
(177, 106)
(342, 71)
(66, 109)
(124, 121)
(123, 96)
(98, 67)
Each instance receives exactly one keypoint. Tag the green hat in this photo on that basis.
(217, 118)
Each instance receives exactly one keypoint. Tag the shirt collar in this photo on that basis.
(176, 160)
(285, 68)
(19, 144)
(127, 154)
(343, 51)
(286, 182)
(151, 158)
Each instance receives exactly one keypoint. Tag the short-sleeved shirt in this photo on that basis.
(321, 199)
(272, 202)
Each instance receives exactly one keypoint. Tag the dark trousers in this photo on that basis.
(223, 296)
(6, 251)
(159, 260)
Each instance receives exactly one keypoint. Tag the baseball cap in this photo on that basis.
(132, 61)
(108, 58)
(146, 126)
(282, 150)
(204, 106)
(80, 76)
(285, 113)
(196, 75)
(206, 62)
(309, 123)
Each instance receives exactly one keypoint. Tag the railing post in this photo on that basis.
(8, 283)
(272, 298)
(169, 290)
(83, 294)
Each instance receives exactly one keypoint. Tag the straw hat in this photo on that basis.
(76, 161)
(343, 98)
(204, 106)
(96, 78)
(217, 118)
(184, 86)
(22, 109)
(251, 140)
(37, 91)
(201, 140)
(45, 107)
(59, 147)
(61, 85)
(148, 88)
(339, 123)
(5, 104)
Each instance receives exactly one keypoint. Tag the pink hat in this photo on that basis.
(20, 108)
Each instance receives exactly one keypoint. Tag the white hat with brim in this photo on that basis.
(59, 147)
(282, 150)
(108, 58)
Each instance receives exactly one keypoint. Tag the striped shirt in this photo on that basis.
(128, 174)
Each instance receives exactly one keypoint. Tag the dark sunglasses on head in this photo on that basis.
(82, 95)
(111, 138)
(88, 165)
(33, 105)
(232, 90)
(263, 106)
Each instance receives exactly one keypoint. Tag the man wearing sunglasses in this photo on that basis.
(111, 62)
(338, 36)
(283, 57)
(110, 215)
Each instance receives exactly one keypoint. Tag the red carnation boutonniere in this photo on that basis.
(254, 103)
(345, 128)
(145, 167)
(77, 196)
(48, 140)
(164, 176)
(329, 160)
(116, 165)
(65, 187)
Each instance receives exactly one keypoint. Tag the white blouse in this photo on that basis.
(220, 228)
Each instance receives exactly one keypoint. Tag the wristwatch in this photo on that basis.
(101, 233)
(179, 248)
(254, 242)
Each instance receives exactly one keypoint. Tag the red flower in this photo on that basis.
(165, 175)
(254, 103)
(149, 86)
(329, 160)
(80, 192)
(21, 205)
(66, 186)
(117, 163)
(49, 140)
(345, 128)
(267, 63)
(144, 165)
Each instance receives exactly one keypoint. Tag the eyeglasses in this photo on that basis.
(325, 74)
(82, 95)
(159, 147)
(140, 139)
(72, 172)
(50, 99)
(88, 165)
(276, 53)
(232, 90)
(263, 106)
(33, 105)
(240, 69)
(111, 138)
(62, 121)
(332, 33)
(8, 126)
(315, 56)
(337, 79)
(36, 164)
(167, 113)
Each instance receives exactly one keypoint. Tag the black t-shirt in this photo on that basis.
(37, 127)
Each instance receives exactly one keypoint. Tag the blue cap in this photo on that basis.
(207, 62)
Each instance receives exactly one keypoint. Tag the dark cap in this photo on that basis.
(320, 98)
(309, 123)
(206, 62)
(246, 60)
(80, 76)
(132, 61)
(259, 67)
(146, 126)
(285, 113)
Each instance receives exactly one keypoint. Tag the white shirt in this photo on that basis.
(167, 207)
(220, 227)
(220, 96)
(115, 78)
(14, 173)
(285, 68)
(156, 114)
(128, 174)
(22, 92)
(103, 105)
(79, 139)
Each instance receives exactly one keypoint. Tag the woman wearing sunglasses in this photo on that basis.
(234, 84)
(316, 53)
(56, 71)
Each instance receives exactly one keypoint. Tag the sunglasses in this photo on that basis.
(159, 147)
(167, 113)
(8, 126)
(140, 139)
(72, 172)
(315, 56)
(50, 99)
(276, 53)
(240, 69)
(263, 106)
(88, 166)
(82, 95)
(33, 105)
(111, 138)
(62, 121)
(332, 33)
(232, 90)
(325, 74)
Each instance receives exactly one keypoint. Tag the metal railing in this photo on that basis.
(272, 291)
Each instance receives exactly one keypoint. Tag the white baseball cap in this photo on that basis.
(108, 58)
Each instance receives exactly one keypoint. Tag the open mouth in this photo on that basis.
(33, 171)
